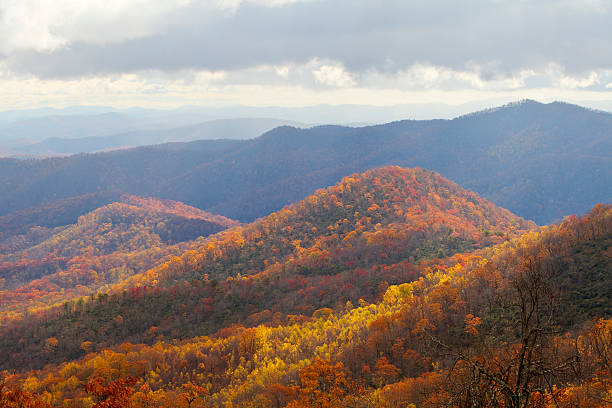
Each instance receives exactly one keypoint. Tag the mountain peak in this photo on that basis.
(413, 205)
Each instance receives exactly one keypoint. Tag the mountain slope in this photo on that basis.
(30, 183)
(31, 226)
(448, 338)
(341, 244)
(541, 161)
(104, 246)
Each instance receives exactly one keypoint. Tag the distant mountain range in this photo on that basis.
(338, 114)
(541, 161)
(64, 135)
(21, 131)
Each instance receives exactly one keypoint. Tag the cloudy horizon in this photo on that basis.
(161, 54)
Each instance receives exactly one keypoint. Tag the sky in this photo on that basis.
(165, 54)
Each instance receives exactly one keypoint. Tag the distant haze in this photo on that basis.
(85, 129)
(80, 129)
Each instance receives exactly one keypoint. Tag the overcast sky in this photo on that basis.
(166, 53)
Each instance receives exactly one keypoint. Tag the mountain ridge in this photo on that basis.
(542, 161)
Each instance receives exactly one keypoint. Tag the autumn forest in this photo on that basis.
(391, 286)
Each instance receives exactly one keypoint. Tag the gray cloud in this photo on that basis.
(492, 38)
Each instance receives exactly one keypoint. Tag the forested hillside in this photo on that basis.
(305, 204)
(47, 262)
(541, 161)
(493, 328)
(24, 228)
(342, 244)
(25, 184)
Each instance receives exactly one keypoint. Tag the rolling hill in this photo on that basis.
(541, 161)
(476, 328)
(339, 245)
(45, 264)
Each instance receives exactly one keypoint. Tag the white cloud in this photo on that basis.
(564, 80)
(46, 25)
(585, 82)
(333, 75)
(282, 71)
(235, 4)
(499, 38)
(25, 25)
(161, 90)
(421, 76)
(225, 50)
